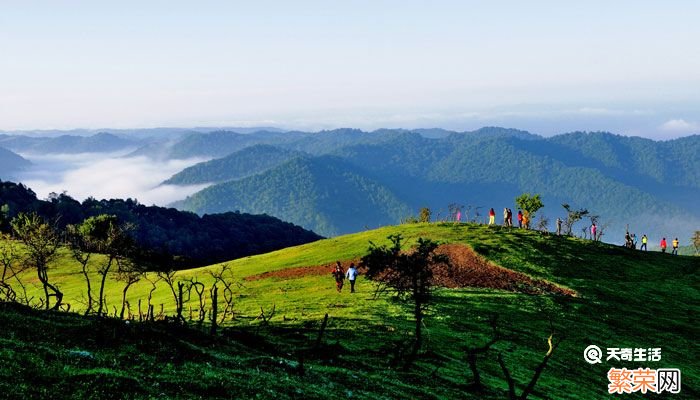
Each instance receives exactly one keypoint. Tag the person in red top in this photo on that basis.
(663, 245)
(520, 219)
(339, 276)
(492, 216)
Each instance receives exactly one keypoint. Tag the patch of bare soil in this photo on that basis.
(299, 272)
(466, 269)
(469, 269)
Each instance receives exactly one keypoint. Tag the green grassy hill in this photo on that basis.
(623, 299)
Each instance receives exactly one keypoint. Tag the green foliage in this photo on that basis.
(408, 274)
(530, 204)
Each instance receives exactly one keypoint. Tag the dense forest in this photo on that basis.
(172, 238)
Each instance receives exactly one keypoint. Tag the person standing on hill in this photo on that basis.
(675, 246)
(352, 275)
(526, 220)
(339, 276)
(663, 245)
(510, 218)
(520, 218)
(492, 217)
(644, 242)
(505, 217)
(559, 226)
(594, 231)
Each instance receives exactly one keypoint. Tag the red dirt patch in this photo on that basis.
(299, 272)
(467, 269)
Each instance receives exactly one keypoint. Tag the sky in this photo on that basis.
(630, 67)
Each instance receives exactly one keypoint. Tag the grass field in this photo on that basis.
(625, 299)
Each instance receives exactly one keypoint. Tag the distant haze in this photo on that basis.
(626, 66)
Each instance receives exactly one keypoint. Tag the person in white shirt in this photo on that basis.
(352, 275)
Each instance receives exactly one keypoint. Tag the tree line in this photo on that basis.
(168, 237)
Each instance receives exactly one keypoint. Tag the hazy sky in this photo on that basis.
(631, 67)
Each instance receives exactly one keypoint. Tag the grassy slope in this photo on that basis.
(628, 299)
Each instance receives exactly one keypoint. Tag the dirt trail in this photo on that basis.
(468, 269)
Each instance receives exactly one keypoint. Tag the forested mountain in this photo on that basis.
(68, 144)
(325, 194)
(11, 162)
(649, 185)
(246, 162)
(172, 238)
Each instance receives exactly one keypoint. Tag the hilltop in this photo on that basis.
(622, 298)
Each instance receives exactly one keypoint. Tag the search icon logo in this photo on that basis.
(593, 354)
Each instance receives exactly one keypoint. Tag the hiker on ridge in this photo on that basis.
(492, 217)
(510, 218)
(644, 242)
(675, 246)
(505, 217)
(594, 230)
(663, 245)
(352, 275)
(520, 218)
(339, 276)
(559, 226)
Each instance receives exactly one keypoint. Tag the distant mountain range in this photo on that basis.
(377, 178)
(651, 186)
(66, 144)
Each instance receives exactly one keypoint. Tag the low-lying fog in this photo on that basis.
(107, 176)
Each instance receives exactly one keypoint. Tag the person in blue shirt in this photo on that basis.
(352, 275)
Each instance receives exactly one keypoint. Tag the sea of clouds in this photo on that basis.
(107, 176)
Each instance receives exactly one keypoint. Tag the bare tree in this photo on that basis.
(129, 272)
(169, 279)
(535, 377)
(224, 276)
(9, 256)
(80, 249)
(572, 216)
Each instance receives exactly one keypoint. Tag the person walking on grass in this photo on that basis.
(594, 230)
(352, 275)
(675, 246)
(645, 239)
(492, 217)
(510, 218)
(339, 276)
(505, 217)
(663, 245)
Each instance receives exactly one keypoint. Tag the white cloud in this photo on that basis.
(679, 125)
(107, 176)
